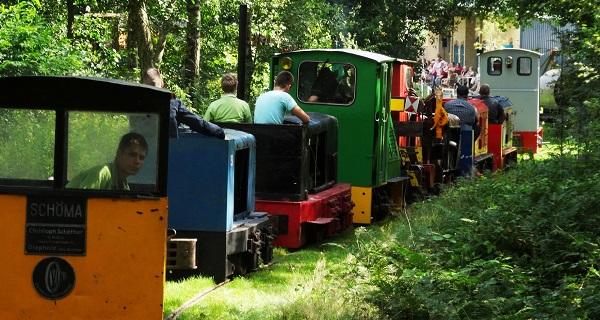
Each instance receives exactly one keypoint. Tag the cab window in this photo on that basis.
(325, 82)
(112, 151)
(27, 147)
(494, 66)
(524, 66)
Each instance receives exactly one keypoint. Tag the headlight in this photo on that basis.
(285, 63)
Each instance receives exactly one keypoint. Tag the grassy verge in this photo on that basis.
(299, 285)
(520, 245)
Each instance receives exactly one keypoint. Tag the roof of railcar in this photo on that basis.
(513, 50)
(359, 53)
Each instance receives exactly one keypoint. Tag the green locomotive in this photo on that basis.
(359, 88)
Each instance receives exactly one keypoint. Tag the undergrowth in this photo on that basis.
(519, 245)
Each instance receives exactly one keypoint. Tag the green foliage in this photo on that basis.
(397, 28)
(314, 24)
(95, 37)
(495, 248)
(577, 94)
(30, 46)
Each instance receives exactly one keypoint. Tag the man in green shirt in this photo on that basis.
(228, 108)
(128, 161)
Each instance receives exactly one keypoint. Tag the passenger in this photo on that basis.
(344, 93)
(228, 108)
(325, 85)
(129, 159)
(465, 111)
(438, 70)
(458, 69)
(495, 111)
(271, 107)
(469, 74)
(179, 113)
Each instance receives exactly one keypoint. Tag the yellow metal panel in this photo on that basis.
(413, 179)
(397, 104)
(120, 277)
(362, 198)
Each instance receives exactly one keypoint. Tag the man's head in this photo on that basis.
(229, 82)
(462, 92)
(484, 90)
(284, 80)
(152, 77)
(131, 154)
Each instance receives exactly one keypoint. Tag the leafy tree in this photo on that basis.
(396, 27)
(30, 46)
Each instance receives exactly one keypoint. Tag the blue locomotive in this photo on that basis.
(214, 228)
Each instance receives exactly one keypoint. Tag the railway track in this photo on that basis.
(194, 300)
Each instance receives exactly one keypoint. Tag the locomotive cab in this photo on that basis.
(515, 74)
(78, 247)
(354, 87)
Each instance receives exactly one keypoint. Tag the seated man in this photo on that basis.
(229, 108)
(495, 111)
(465, 111)
(271, 107)
(179, 113)
(325, 85)
(129, 159)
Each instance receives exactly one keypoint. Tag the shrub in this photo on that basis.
(519, 245)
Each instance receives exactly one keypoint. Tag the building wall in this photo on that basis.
(471, 34)
(432, 46)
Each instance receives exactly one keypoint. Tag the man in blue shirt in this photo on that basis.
(465, 111)
(271, 107)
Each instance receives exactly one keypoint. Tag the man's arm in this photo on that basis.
(501, 116)
(196, 123)
(298, 112)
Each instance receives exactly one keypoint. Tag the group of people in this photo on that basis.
(467, 113)
(441, 73)
(271, 108)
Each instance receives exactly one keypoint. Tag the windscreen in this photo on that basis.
(325, 82)
(112, 151)
(27, 147)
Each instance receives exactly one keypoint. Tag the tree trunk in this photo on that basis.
(159, 50)
(70, 18)
(192, 57)
(139, 35)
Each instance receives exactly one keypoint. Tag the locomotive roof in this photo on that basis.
(514, 50)
(81, 93)
(360, 53)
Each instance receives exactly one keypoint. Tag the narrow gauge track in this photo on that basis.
(194, 300)
(198, 297)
